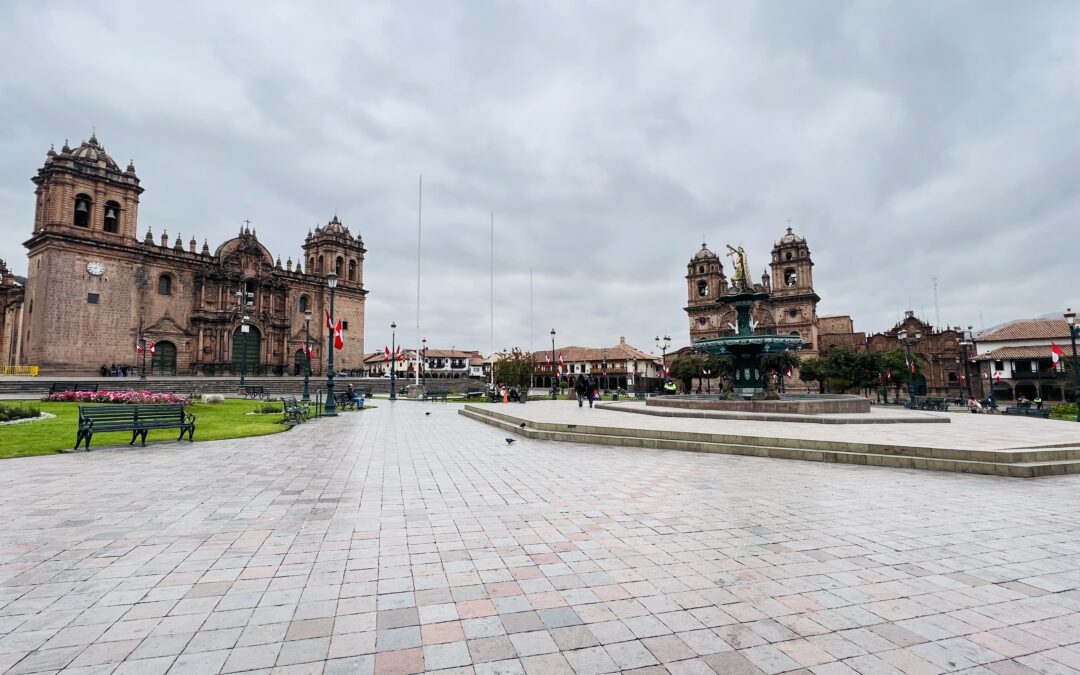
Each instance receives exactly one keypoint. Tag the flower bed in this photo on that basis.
(129, 396)
(17, 412)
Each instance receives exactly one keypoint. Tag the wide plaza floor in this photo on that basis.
(395, 541)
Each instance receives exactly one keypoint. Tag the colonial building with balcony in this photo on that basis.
(616, 367)
(1016, 358)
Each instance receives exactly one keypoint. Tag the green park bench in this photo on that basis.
(60, 387)
(295, 411)
(138, 419)
(1026, 411)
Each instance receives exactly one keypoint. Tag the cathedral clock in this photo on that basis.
(95, 268)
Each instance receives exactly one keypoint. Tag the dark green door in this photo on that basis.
(245, 355)
(163, 362)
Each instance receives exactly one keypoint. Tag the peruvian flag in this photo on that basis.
(138, 348)
(150, 346)
(911, 365)
(888, 375)
(547, 358)
(1055, 353)
(339, 344)
(397, 354)
(997, 376)
(329, 323)
(963, 377)
(386, 353)
(788, 372)
(310, 349)
(560, 359)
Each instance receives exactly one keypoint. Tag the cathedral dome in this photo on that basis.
(93, 153)
(791, 238)
(704, 254)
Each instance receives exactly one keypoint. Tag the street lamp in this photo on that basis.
(604, 368)
(964, 344)
(244, 328)
(663, 344)
(142, 344)
(903, 336)
(331, 403)
(307, 352)
(393, 359)
(1070, 317)
(554, 378)
(423, 365)
(706, 372)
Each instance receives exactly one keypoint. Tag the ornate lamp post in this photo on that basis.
(908, 342)
(554, 378)
(331, 405)
(663, 344)
(604, 368)
(307, 353)
(393, 360)
(1070, 317)
(964, 344)
(423, 365)
(142, 344)
(635, 374)
(706, 373)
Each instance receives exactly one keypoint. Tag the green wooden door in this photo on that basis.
(245, 356)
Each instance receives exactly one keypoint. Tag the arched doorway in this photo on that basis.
(1002, 392)
(299, 362)
(163, 362)
(1026, 389)
(245, 353)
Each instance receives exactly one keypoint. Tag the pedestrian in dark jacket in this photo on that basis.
(590, 389)
(580, 387)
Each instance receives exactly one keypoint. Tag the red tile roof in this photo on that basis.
(1032, 329)
(1019, 353)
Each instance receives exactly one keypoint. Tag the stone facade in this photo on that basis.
(791, 308)
(11, 316)
(94, 289)
(939, 350)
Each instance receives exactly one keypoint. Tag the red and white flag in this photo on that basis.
(962, 377)
(339, 344)
(398, 356)
(888, 375)
(1055, 353)
(996, 375)
(386, 354)
(547, 358)
(329, 323)
(560, 359)
(788, 372)
(138, 348)
(150, 346)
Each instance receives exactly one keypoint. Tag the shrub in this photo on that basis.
(268, 408)
(129, 396)
(10, 413)
(1064, 412)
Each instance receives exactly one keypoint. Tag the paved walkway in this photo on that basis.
(393, 541)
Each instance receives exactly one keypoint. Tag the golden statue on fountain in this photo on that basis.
(740, 277)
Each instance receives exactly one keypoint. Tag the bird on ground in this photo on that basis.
(427, 413)
(510, 441)
(521, 426)
(571, 426)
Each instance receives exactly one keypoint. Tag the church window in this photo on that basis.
(787, 256)
(702, 321)
(339, 266)
(82, 210)
(92, 298)
(311, 265)
(793, 313)
(305, 303)
(790, 277)
(795, 333)
(701, 269)
(164, 285)
(352, 270)
(344, 325)
(112, 217)
(318, 265)
(249, 293)
(703, 289)
(952, 377)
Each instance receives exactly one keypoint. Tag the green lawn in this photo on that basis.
(212, 422)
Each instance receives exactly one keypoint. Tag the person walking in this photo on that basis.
(590, 389)
(973, 405)
(579, 387)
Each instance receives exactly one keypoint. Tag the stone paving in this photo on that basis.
(395, 542)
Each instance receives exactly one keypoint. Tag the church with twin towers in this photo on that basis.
(790, 309)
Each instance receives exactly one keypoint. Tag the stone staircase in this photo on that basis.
(1015, 462)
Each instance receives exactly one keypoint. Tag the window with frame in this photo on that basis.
(83, 205)
(164, 285)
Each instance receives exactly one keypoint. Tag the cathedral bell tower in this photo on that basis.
(705, 283)
(793, 298)
(83, 192)
(332, 248)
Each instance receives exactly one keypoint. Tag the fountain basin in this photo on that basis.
(794, 404)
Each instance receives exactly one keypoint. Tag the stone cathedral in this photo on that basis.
(791, 308)
(94, 287)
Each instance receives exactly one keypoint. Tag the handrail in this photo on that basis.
(31, 371)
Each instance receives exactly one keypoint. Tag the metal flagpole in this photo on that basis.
(419, 221)
(492, 336)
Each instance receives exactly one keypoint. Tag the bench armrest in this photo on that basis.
(189, 418)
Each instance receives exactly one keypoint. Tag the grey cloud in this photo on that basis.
(905, 141)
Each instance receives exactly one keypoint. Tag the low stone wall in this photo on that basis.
(274, 386)
(818, 405)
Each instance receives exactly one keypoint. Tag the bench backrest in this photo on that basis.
(127, 413)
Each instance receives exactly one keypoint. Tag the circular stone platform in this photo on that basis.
(794, 404)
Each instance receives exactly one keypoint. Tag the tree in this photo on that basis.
(720, 367)
(896, 365)
(686, 368)
(779, 362)
(515, 370)
(812, 369)
(840, 372)
(869, 367)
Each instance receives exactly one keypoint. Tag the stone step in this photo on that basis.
(989, 463)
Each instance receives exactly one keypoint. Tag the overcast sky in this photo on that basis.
(903, 140)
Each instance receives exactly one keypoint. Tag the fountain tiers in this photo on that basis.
(809, 404)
